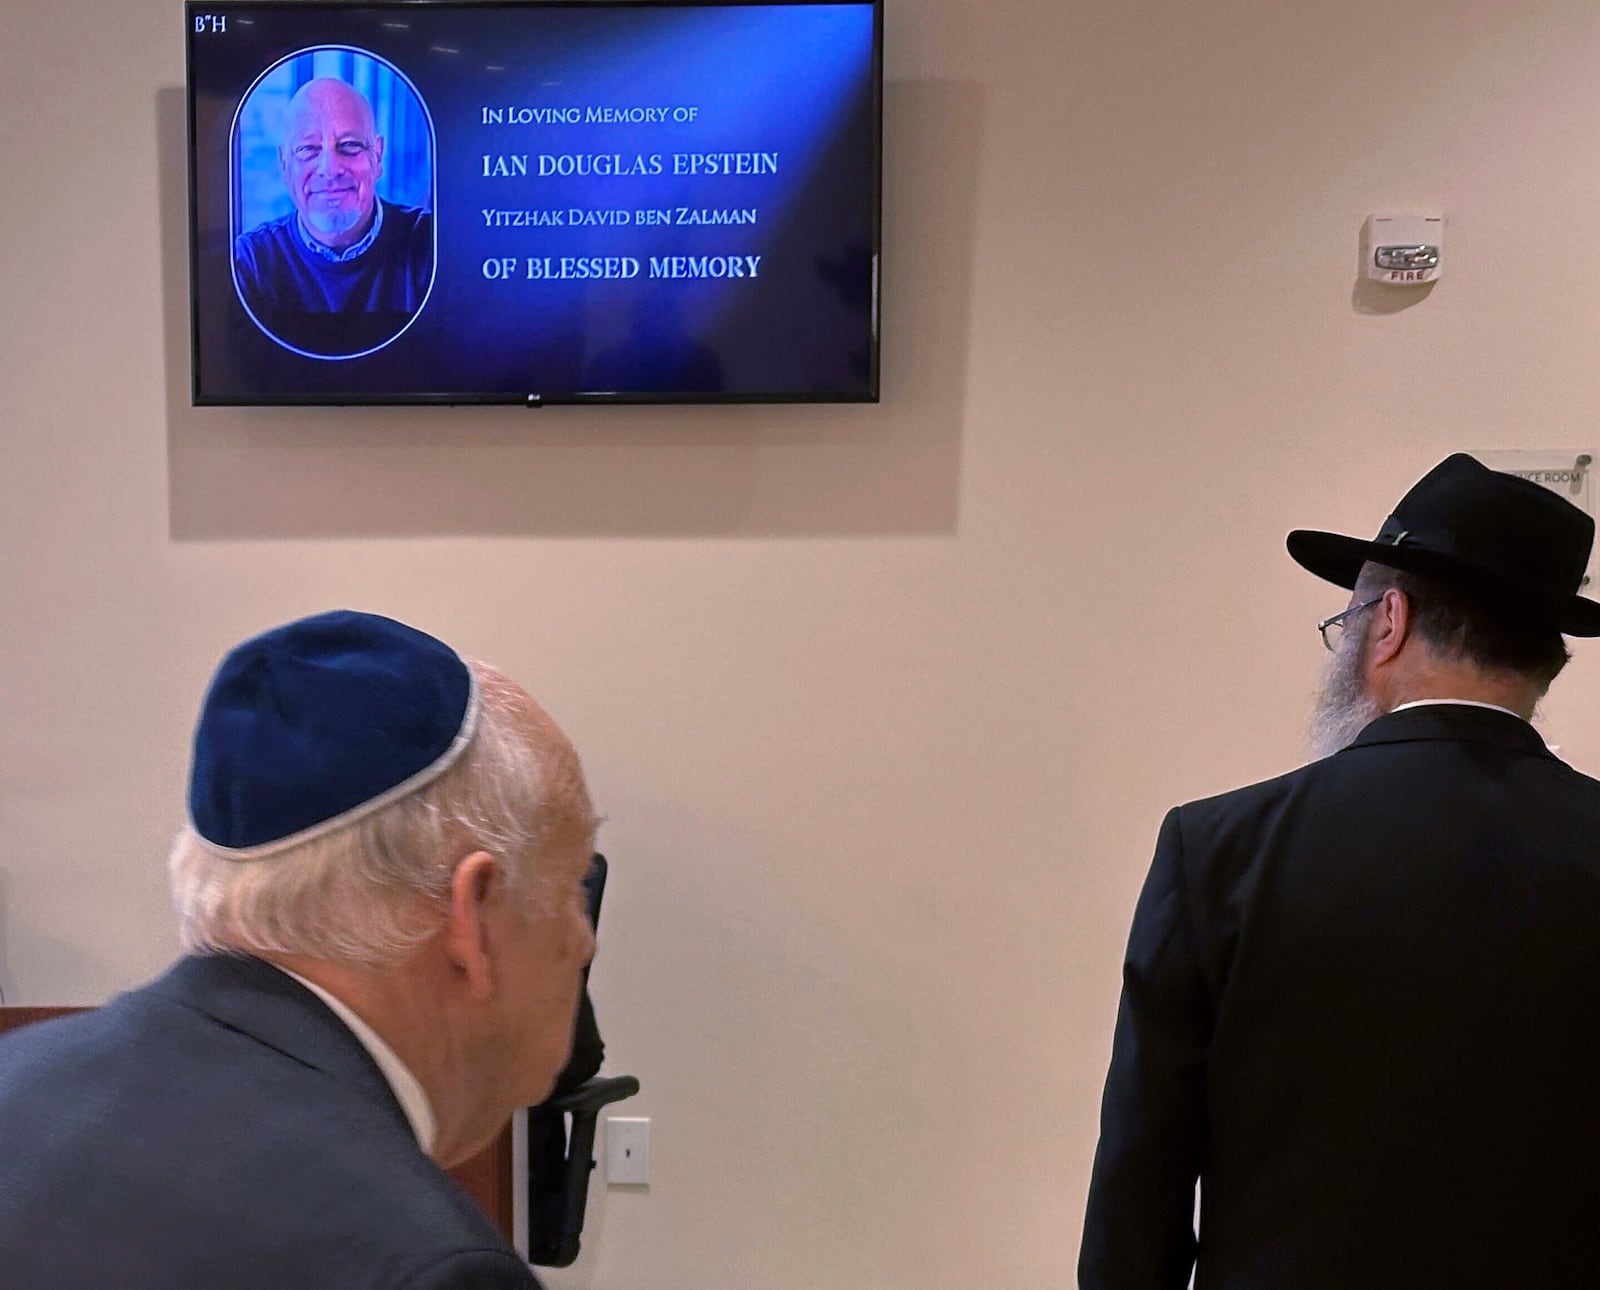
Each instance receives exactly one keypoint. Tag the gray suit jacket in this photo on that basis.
(220, 1127)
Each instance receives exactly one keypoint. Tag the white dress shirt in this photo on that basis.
(1460, 703)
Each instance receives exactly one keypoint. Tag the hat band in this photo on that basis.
(443, 762)
(1453, 557)
(1391, 534)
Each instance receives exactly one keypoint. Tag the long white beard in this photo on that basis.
(1343, 708)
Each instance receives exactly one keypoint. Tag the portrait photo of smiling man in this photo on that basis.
(344, 269)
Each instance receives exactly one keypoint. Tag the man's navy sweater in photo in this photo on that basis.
(330, 307)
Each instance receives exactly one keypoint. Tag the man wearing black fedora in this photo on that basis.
(380, 892)
(1361, 1002)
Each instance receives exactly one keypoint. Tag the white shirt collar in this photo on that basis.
(1458, 703)
(408, 1091)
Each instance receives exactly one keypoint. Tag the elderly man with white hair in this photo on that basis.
(380, 891)
(344, 271)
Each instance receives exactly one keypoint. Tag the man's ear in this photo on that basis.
(377, 148)
(474, 886)
(1391, 627)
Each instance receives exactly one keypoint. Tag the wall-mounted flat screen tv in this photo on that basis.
(534, 202)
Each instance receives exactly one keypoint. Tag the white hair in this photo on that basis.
(373, 891)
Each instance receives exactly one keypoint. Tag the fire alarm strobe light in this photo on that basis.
(1403, 249)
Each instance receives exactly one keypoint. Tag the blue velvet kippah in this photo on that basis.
(311, 725)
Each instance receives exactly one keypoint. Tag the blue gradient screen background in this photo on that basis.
(510, 91)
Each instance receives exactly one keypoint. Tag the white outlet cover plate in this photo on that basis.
(628, 1150)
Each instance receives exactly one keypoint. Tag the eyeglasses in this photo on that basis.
(1332, 629)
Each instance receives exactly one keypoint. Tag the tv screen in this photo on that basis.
(534, 202)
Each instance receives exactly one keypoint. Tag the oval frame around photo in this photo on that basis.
(259, 196)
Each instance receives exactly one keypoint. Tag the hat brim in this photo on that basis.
(1336, 558)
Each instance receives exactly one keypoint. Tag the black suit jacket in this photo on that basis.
(220, 1127)
(1361, 1002)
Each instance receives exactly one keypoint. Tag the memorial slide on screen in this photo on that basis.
(534, 202)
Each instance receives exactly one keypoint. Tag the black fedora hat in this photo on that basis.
(1507, 539)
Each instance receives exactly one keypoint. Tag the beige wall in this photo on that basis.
(884, 704)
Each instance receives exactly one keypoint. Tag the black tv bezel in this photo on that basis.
(533, 398)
